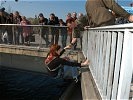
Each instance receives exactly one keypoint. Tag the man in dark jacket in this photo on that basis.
(54, 21)
(44, 30)
(99, 14)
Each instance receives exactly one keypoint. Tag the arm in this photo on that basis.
(71, 44)
(112, 5)
(62, 52)
(69, 63)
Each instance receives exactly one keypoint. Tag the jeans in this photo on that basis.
(63, 39)
(70, 72)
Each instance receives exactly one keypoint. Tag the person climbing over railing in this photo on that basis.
(55, 63)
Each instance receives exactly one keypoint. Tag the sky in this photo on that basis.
(60, 8)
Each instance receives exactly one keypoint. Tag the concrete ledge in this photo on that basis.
(88, 91)
(24, 50)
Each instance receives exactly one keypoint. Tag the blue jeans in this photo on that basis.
(63, 39)
(70, 72)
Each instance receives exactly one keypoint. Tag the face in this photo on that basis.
(51, 17)
(41, 18)
(74, 14)
(68, 16)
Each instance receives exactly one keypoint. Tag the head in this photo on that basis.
(2, 9)
(52, 16)
(74, 14)
(11, 15)
(60, 20)
(80, 15)
(55, 49)
(68, 15)
(23, 18)
(16, 13)
(40, 15)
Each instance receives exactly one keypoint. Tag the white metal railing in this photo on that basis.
(109, 50)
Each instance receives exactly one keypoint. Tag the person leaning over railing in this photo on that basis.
(78, 26)
(69, 21)
(99, 12)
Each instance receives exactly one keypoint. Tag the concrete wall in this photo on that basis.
(32, 63)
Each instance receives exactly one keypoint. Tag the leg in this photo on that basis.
(56, 36)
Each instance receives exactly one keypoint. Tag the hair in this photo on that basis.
(54, 48)
(41, 15)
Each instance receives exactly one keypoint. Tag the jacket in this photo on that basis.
(99, 14)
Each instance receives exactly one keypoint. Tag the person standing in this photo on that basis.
(43, 29)
(26, 30)
(3, 18)
(9, 28)
(63, 31)
(53, 20)
(69, 21)
(74, 16)
(18, 30)
(99, 13)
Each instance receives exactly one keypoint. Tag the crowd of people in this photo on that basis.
(9, 32)
(20, 34)
(104, 13)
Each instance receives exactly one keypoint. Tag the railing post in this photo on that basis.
(40, 44)
(126, 67)
(13, 30)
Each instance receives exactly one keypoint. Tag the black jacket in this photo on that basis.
(60, 61)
